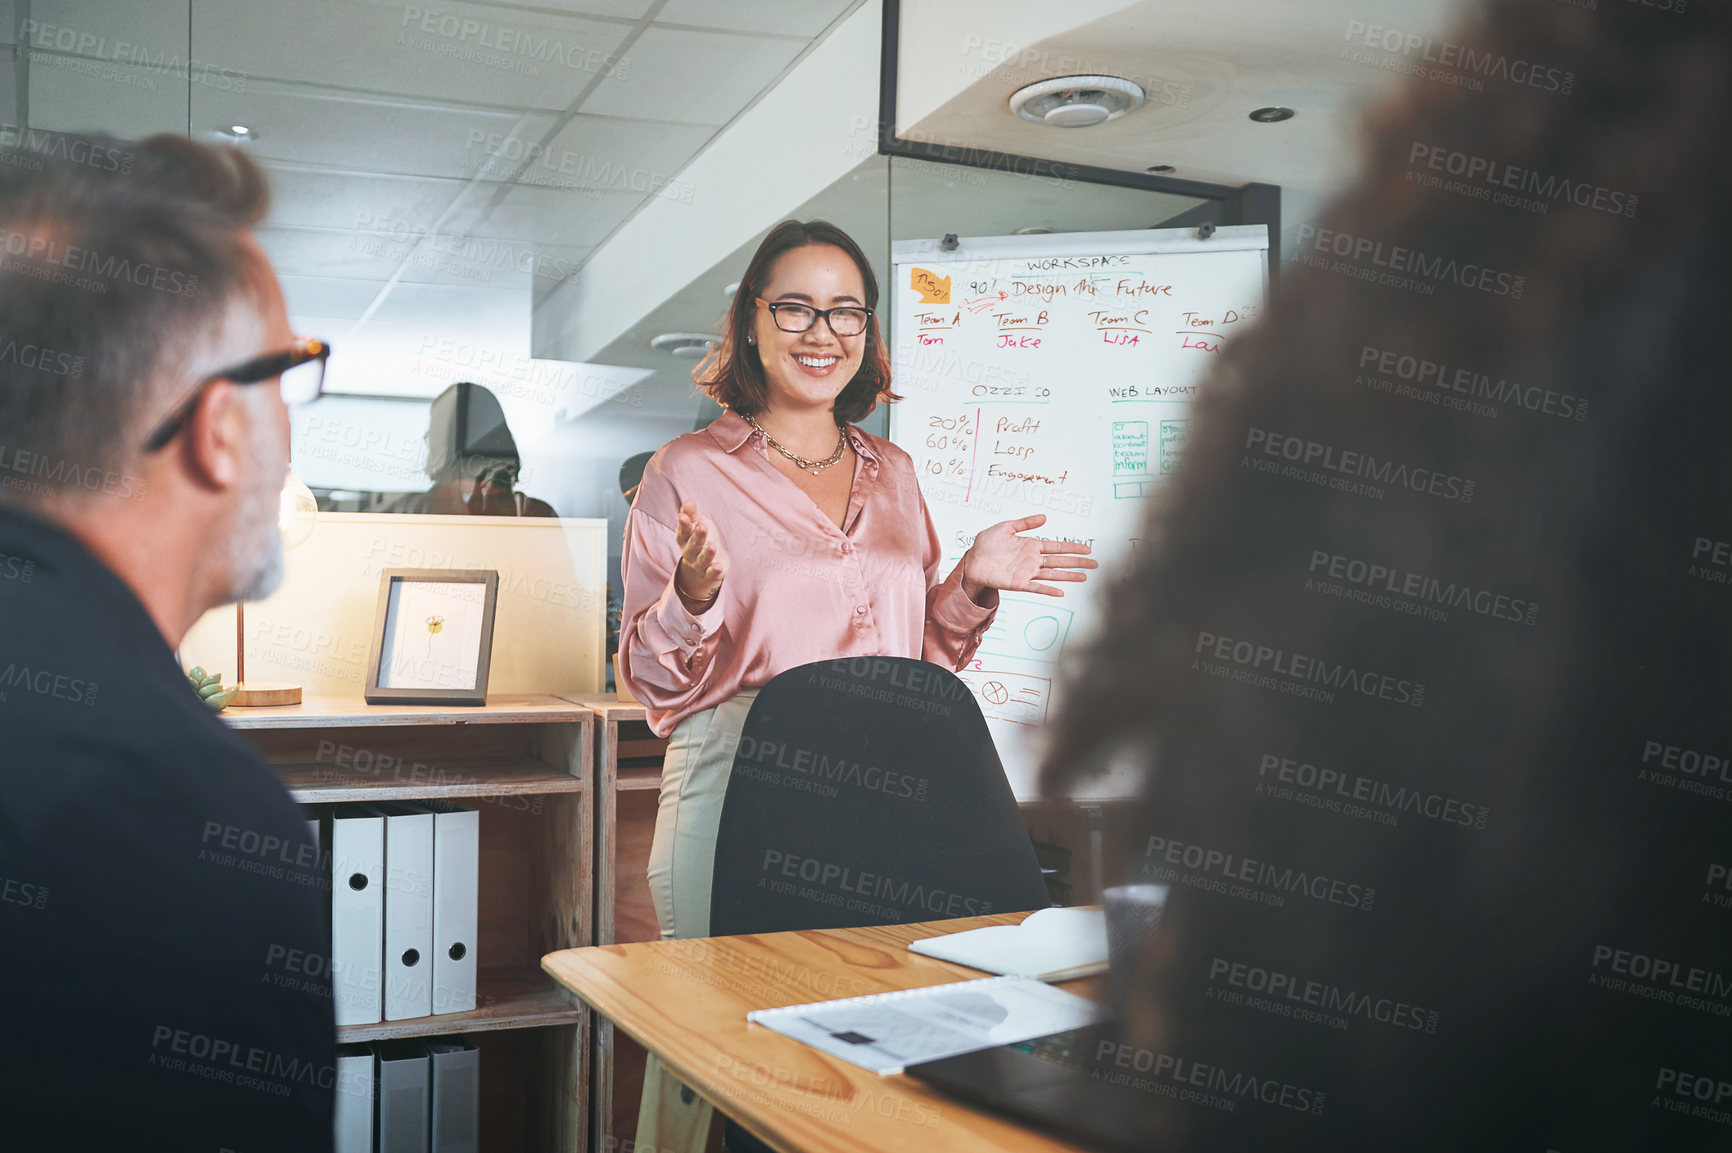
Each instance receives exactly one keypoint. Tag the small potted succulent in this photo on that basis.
(209, 687)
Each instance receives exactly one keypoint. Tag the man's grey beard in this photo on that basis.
(253, 539)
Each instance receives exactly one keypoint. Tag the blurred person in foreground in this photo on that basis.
(1427, 670)
(162, 902)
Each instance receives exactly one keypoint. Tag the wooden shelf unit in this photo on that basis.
(527, 764)
(621, 734)
(454, 779)
(505, 999)
(628, 760)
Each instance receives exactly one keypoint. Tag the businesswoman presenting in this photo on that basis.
(782, 534)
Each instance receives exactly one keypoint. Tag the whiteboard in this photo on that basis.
(1055, 374)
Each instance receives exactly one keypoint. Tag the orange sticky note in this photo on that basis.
(932, 288)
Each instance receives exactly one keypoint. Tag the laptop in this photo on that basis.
(1073, 1084)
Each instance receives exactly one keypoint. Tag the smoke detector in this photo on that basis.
(683, 345)
(1076, 101)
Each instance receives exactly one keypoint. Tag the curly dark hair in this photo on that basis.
(1432, 598)
(733, 372)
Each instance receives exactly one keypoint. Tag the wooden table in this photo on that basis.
(687, 1001)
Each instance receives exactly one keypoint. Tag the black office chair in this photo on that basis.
(866, 792)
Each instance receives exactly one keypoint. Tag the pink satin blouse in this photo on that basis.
(798, 588)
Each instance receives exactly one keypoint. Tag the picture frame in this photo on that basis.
(432, 637)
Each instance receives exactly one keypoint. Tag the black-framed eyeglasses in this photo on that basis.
(792, 316)
(299, 371)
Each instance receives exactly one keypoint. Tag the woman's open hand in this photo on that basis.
(703, 563)
(1001, 559)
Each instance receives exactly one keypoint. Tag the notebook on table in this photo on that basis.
(1049, 945)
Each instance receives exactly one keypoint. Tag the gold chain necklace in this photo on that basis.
(814, 465)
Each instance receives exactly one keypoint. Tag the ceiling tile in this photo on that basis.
(321, 129)
(552, 216)
(461, 312)
(692, 77)
(618, 155)
(378, 121)
(71, 94)
(803, 18)
(377, 253)
(308, 198)
(412, 315)
(139, 31)
(617, 9)
(359, 254)
(474, 52)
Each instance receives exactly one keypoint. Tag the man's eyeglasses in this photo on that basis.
(300, 373)
(791, 316)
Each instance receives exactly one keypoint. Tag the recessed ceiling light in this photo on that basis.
(684, 345)
(730, 289)
(1158, 169)
(240, 130)
(1076, 101)
(1271, 115)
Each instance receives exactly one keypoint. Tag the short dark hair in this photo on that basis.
(476, 434)
(116, 256)
(733, 373)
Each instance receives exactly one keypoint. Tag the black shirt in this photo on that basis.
(161, 899)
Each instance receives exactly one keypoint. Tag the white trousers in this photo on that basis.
(695, 772)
